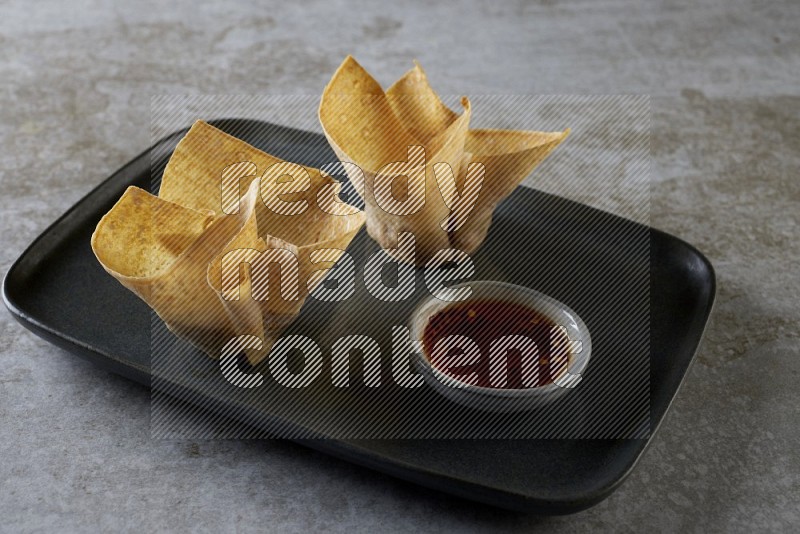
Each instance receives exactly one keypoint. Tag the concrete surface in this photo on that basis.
(75, 447)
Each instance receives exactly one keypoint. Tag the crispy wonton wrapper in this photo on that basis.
(372, 128)
(170, 250)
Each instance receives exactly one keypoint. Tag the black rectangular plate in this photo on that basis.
(58, 290)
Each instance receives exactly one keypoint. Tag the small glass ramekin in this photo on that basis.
(504, 399)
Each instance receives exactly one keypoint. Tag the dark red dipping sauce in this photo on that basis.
(486, 320)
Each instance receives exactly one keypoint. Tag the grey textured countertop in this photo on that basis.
(75, 446)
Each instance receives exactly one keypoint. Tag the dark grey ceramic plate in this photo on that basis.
(58, 290)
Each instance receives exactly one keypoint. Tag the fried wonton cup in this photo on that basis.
(274, 262)
(215, 211)
(372, 128)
